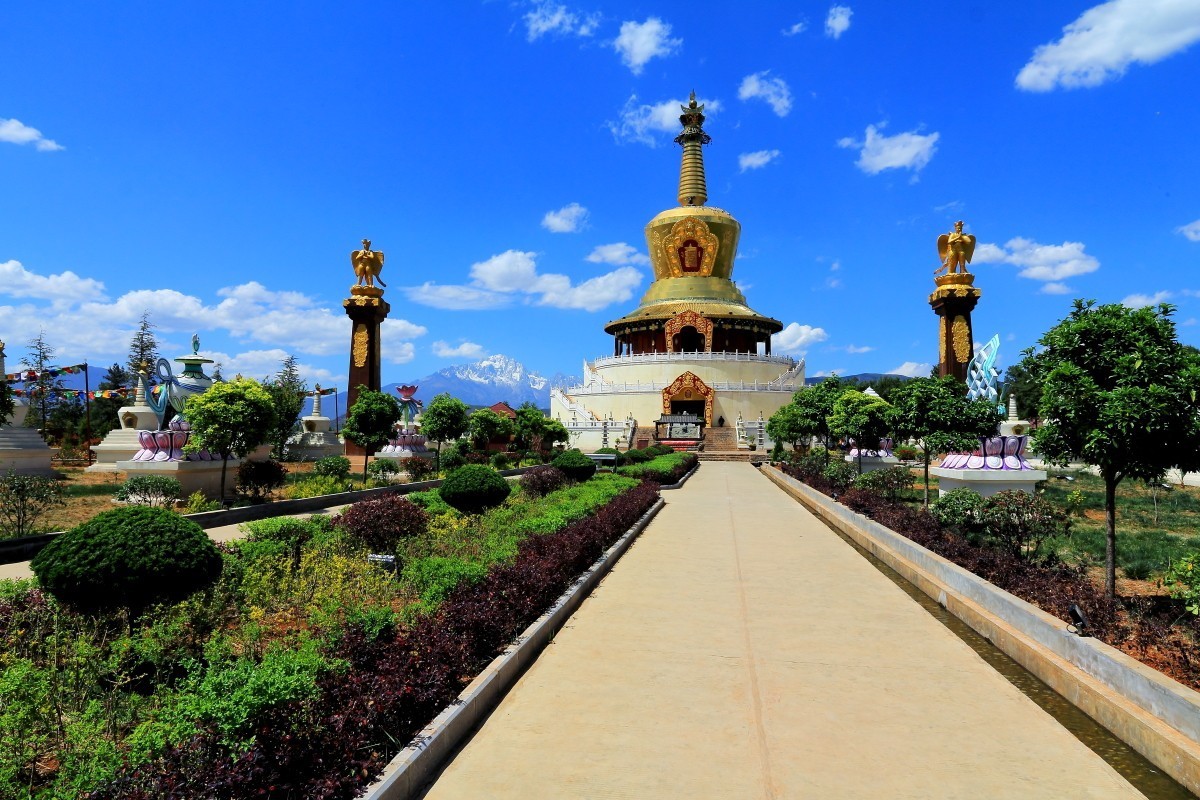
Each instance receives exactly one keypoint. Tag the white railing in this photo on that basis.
(650, 358)
(654, 386)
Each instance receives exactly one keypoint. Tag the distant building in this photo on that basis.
(693, 362)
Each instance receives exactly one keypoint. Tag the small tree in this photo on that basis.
(860, 417)
(370, 421)
(444, 420)
(105, 409)
(937, 411)
(814, 406)
(287, 392)
(554, 432)
(143, 349)
(7, 404)
(1119, 392)
(45, 388)
(24, 499)
(530, 425)
(789, 424)
(486, 425)
(229, 419)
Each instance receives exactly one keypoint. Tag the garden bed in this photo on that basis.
(302, 672)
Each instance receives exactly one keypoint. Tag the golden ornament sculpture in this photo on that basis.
(367, 265)
(690, 248)
(962, 339)
(359, 347)
(955, 249)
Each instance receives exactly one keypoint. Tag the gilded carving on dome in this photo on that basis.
(683, 319)
(690, 249)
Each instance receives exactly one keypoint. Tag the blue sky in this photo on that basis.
(216, 164)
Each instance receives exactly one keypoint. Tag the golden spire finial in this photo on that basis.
(692, 189)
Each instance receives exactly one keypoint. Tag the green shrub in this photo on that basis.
(455, 456)
(500, 461)
(256, 479)
(575, 465)
(1183, 578)
(1019, 522)
(611, 451)
(893, 482)
(812, 464)
(960, 509)
(24, 499)
(1075, 502)
(474, 488)
(906, 452)
(383, 468)
(197, 502)
(333, 467)
(128, 558)
(777, 452)
(434, 577)
(156, 491)
(637, 456)
(840, 474)
(431, 500)
(317, 486)
(659, 450)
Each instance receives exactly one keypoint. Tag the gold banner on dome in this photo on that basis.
(359, 347)
(690, 249)
(682, 320)
(688, 386)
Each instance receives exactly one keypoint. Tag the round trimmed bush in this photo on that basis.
(130, 558)
(474, 488)
(332, 467)
(418, 468)
(500, 461)
(383, 467)
(575, 465)
(542, 480)
(382, 523)
(637, 456)
(256, 479)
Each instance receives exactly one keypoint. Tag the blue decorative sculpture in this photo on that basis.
(982, 377)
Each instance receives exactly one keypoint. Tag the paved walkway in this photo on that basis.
(741, 649)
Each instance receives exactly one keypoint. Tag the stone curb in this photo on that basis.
(1152, 713)
(13, 551)
(416, 765)
(679, 483)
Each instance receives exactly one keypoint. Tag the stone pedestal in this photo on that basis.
(953, 301)
(315, 440)
(998, 465)
(367, 309)
(22, 449)
(202, 476)
(121, 444)
(872, 463)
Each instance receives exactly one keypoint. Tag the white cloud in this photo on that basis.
(1191, 230)
(637, 42)
(838, 21)
(513, 273)
(799, 27)
(618, 254)
(639, 121)
(854, 350)
(1106, 39)
(796, 338)
(16, 281)
(774, 91)
(912, 369)
(260, 364)
(1055, 288)
(1143, 300)
(570, 218)
(877, 152)
(551, 18)
(756, 160)
(1040, 262)
(16, 132)
(462, 350)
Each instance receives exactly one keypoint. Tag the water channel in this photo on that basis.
(1133, 767)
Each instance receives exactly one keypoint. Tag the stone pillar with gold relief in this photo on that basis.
(953, 301)
(367, 309)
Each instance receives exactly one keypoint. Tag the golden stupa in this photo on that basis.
(692, 248)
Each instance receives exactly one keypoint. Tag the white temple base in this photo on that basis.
(121, 444)
(987, 482)
(872, 463)
(315, 440)
(193, 476)
(23, 451)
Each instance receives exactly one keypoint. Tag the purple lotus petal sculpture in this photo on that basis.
(994, 453)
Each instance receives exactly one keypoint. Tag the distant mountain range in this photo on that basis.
(862, 377)
(481, 383)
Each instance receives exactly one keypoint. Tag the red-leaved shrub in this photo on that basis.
(542, 480)
(382, 523)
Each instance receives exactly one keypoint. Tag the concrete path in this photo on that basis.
(742, 650)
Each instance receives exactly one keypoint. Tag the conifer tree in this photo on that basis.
(142, 348)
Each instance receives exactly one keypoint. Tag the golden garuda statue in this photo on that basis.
(955, 249)
(368, 264)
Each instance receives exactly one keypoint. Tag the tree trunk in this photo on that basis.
(926, 479)
(224, 464)
(365, 457)
(1110, 544)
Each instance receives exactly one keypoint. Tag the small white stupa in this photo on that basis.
(315, 439)
(122, 443)
(21, 449)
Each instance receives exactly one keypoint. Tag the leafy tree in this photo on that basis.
(45, 389)
(287, 392)
(531, 426)
(1019, 383)
(106, 409)
(789, 424)
(937, 411)
(554, 432)
(1121, 393)
(7, 404)
(229, 419)
(370, 420)
(24, 499)
(486, 425)
(860, 417)
(815, 406)
(444, 420)
(143, 349)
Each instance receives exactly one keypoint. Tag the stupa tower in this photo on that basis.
(693, 349)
